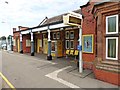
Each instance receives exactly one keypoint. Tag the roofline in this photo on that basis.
(39, 26)
(46, 25)
(85, 5)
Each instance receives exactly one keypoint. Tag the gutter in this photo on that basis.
(43, 28)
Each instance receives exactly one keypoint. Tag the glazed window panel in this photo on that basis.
(72, 35)
(112, 48)
(14, 42)
(67, 35)
(58, 35)
(67, 44)
(28, 43)
(54, 35)
(44, 36)
(112, 24)
(71, 44)
(40, 43)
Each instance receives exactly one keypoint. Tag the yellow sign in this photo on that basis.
(67, 51)
(76, 52)
(71, 52)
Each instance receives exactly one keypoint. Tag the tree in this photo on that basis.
(3, 38)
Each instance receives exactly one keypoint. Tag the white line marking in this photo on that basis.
(54, 75)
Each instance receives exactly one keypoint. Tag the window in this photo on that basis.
(71, 44)
(40, 43)
(72, 35)
(112, 42)
(58, 35)
(54, 35)
(14, 43)
(28, 44)
(67, 44)
(112, 48)
(67, 35)
(112, 24)
(44, 36)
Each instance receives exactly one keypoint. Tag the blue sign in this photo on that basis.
(79, 47)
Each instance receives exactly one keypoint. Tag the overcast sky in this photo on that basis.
(14, 13)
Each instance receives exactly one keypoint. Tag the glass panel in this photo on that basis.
(54, 35)
(67, 44)
(58, 35)
(112, 24)
(112, 48)
(67, 35)
(28, 43)
(71, 35)
(71, 44)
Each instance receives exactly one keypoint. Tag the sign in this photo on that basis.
(72, 19)
(79, 47)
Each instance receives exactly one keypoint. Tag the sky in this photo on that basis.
(30, 13)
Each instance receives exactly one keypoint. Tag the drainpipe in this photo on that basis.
(32, 44)
(49, 57)
(21, 50)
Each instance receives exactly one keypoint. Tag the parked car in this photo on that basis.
(4, 46)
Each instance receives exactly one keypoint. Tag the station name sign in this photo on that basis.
(72, 19)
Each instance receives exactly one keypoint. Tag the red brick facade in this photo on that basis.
(106, 69)
(16, 37)
(94, 22)
(26, 49)
(88, 27)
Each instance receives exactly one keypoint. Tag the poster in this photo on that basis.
(88, 43)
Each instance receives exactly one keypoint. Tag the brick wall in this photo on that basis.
(89, 27)
(16, 36)
(26, 49)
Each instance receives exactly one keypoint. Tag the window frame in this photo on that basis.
(58, 37)
(107, 38)
(66, 35)
(14, 42)
(116, 24)
(28, 43)
(55, 35)
(70, 44)
(66, 44)
(73, 35)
